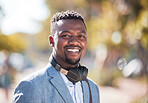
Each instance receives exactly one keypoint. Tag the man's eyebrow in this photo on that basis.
(64, 31)
(83, 32)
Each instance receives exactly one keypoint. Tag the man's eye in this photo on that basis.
(82, 37)
(66, 36)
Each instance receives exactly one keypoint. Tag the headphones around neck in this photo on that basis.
(74, 74)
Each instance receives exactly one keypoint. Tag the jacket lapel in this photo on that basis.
(59, 84)
(85, 92)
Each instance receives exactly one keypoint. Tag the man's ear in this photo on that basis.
(51, 41)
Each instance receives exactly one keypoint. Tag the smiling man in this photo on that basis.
(63, 80)
(69, 42)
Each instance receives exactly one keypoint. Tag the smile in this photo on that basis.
(73, 50)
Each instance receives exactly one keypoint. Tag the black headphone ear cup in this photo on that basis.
(77, 74)
(80, 72)
(84, 72)
(74, 75)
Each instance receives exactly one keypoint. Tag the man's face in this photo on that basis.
(69, 42)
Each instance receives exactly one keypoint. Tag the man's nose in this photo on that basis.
(74, 40)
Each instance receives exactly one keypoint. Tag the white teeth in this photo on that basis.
(73, 50)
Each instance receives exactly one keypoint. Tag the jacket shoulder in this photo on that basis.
(29, 88)
(92, 82)
(38, 75)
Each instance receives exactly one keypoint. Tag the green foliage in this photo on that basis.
(105, 77)
(13, 43)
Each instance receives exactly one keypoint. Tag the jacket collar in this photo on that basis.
(59, 84)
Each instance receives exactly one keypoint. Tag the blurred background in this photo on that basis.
(117, 55)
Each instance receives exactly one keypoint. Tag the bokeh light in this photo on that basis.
(134, 66)
(116, 37)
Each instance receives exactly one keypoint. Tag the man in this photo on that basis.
(64, 80)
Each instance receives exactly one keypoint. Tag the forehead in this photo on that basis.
(71, 24)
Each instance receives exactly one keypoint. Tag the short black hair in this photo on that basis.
(69, 14)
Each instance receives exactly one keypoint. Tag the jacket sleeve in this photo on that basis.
(26, 92)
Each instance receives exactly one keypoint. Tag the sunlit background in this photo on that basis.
(117, 55)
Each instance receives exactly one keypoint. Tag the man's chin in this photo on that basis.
(72, 61)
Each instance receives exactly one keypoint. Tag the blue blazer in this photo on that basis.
(47, 86)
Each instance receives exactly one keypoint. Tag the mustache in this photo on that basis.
(73, 46)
